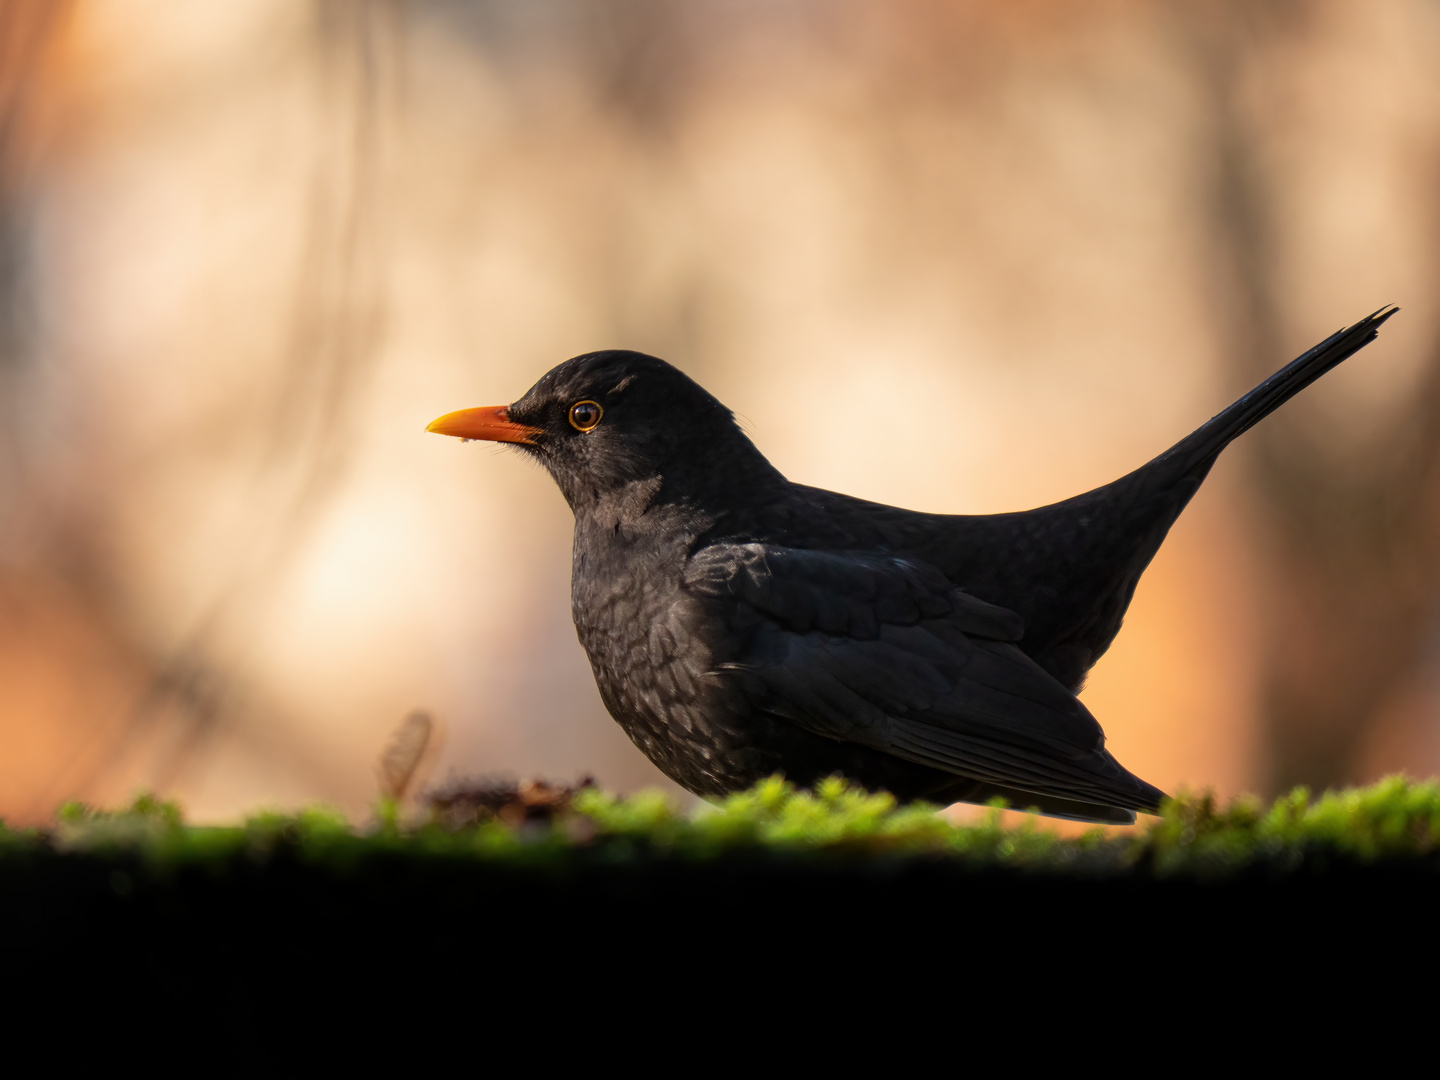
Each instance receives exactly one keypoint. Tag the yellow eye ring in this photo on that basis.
(586, 415)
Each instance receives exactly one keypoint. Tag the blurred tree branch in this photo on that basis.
(334, 337)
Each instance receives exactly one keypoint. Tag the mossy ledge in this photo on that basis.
(1394, 823)
(260, 914)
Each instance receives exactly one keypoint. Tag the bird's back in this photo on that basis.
(1068, 569)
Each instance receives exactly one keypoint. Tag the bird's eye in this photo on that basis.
(585, 415)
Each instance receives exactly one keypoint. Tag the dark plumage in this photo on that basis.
(740, 625)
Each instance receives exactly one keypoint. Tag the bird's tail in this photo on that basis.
(1203, 445)
(1094, 547)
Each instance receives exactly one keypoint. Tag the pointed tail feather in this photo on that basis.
(1204, 444)
(1092, 549)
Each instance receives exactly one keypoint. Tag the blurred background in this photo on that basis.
(248, 251)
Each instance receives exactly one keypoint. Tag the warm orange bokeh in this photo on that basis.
(264, 244)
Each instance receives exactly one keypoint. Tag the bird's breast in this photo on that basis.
(654, 649)
(651, 644)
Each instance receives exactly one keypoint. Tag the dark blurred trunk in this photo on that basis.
(1346, 550)
(28, 32)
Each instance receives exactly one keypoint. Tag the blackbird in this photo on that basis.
(740, 625)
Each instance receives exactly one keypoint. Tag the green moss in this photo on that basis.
(1396, 821)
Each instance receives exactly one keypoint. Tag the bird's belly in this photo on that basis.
(656, 668)
(659, 669)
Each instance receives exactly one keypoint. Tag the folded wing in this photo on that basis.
(886, 652)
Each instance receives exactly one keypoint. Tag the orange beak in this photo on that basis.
(490, 422)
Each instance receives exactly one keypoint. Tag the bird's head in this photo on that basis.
(608, 422)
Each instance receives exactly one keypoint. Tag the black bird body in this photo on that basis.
(739, 625)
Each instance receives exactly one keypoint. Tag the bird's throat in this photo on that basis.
(624, 505)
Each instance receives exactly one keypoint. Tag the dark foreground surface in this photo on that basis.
(592, 892)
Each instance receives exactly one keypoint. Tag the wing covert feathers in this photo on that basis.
(887, 653)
